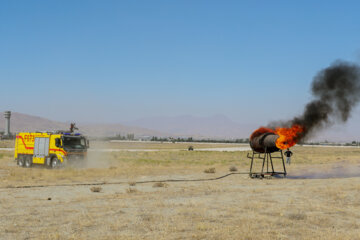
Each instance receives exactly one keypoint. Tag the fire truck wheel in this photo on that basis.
(28, 161)
(54, 163)
(21, 161)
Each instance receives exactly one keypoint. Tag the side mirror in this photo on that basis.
(57, 142)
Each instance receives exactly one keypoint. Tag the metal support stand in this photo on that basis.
(266, 157)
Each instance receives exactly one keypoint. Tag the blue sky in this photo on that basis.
(114, 61)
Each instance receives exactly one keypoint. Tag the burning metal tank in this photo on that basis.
(266, 140)
(264, 143)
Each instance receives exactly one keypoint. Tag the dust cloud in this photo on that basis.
(338, 170)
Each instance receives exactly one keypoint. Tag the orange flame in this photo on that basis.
(288, 137)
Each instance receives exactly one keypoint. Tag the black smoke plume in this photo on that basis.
(336, 91)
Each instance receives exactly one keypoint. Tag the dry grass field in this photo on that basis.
(7, 143)
(318, 200)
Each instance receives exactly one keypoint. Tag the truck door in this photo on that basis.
(41, 150)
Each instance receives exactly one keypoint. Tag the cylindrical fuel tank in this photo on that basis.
(265, 142)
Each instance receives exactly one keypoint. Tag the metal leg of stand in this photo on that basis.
(282, 156)
(272, 165)
(266, 158)
(262, 169)
(251, 165)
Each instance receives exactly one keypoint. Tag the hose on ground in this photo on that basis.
(123, 182)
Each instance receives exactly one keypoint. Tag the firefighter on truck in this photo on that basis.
(50, 148)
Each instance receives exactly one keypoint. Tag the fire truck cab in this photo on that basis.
(50, 148)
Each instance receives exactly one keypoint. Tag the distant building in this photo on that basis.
(7, 133)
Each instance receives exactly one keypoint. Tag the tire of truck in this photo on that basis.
(28, 161)
(54, 163)
(21, 161)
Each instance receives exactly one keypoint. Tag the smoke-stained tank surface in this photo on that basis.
(264, 140)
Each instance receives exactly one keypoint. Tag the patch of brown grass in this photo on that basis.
(210, 170)
(160, 184)
(96, 189)
(131, 190)
(132, 183)
(296, 216)
(233, 169)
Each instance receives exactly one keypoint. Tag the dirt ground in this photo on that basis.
(318, 200)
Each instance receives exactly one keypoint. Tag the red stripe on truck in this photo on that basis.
(22, 139)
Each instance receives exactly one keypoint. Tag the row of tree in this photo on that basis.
(131, 137)
(327, 143)
(190, 139)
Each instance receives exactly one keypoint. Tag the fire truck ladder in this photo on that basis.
(265, 157)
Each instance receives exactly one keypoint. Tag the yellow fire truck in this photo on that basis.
(50, 148)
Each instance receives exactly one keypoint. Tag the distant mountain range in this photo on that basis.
(24, 122)
(217, 126)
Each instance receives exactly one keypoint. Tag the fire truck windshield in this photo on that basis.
(74, 142)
